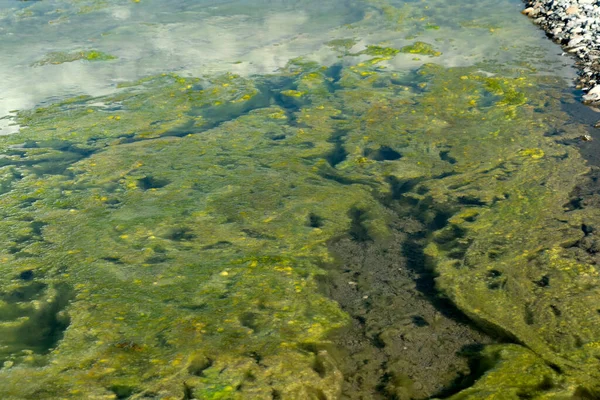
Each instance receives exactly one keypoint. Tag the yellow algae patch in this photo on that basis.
(533, 153)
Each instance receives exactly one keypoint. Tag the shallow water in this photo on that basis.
(246, 38)
(291, 200)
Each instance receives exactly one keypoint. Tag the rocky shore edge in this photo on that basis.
(575, 24)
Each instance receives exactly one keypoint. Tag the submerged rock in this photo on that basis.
(592, 95)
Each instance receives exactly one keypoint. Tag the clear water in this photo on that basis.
(176, 179)
(246, 38)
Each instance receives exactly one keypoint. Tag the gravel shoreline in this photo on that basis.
(575, 24)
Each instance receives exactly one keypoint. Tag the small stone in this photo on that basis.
(593, 94)
(572, 10)
(575, 40)
(529, 11)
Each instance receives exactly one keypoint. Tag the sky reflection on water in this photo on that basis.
(206, 37)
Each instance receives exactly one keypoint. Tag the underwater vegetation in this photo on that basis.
(165, 241)
(60, 57)
(168, 241)
(421, 48)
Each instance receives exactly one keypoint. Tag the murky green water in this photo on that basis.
(180, 181)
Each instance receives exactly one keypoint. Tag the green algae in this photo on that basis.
(513, 371)
(61, 57)
(421, 48)
(380, 51)
(254, 282)
(493, 255)
(164, 242)
(342, 45)
(163, 239)
(292, 93)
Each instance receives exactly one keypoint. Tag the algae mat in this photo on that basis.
(166, 241)
(151, 250)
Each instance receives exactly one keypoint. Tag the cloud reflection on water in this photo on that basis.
(197, 38)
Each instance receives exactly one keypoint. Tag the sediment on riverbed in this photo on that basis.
(575, 24)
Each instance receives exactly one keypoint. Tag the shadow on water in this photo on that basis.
(583, 114)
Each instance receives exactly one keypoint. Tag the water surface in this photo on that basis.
(291, 200)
